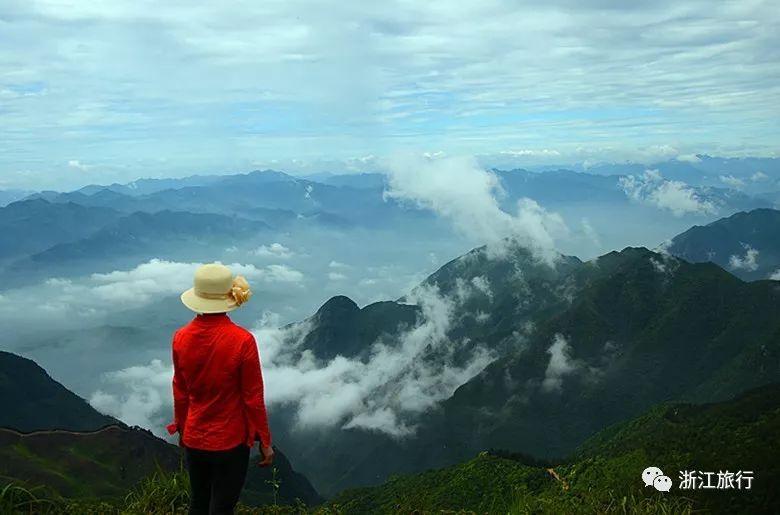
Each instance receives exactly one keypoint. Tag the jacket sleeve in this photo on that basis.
(252, 393)
(180, 396)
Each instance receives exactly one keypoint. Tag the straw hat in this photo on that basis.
(215, 290)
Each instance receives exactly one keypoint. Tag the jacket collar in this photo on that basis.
(211, 318)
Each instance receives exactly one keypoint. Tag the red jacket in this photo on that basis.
(218, 397)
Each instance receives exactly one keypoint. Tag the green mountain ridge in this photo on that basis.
(729, 241)
(633, 338)
(629, 329)
(50, 437)
(734, 435)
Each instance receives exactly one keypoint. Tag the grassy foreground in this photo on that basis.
(603, 476)
(166, 493)
(162, 493)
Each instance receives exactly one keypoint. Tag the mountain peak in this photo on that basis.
(635, 251)
(338, 305)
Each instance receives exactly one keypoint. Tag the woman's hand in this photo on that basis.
(268, 456)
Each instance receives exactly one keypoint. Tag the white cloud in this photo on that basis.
(281, 274)
(159, 277)
(658, 265)
(544, 152)
(336, 264)
(381, 419)
(441, 76)
(663, 247)
(748, 262)
(482, 317)
(668, 263)
(386, 393)
(75, 163)
(775, 276)
(482, 285)
(689, 158)
(759, 176)
(74, 301)
(336, 276)
(732, 181)
(274, 250)
(590, 233)
(560, 364)
(458, 189)
(137, 395)
(676, 196)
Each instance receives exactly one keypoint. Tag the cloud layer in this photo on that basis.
(460, 190)
(86, 92)
(387, 392)
(675, 196)
(71, 302)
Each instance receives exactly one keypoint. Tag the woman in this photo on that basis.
(218, 403)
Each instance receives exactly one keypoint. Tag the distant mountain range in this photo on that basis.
(99, 228)
(241, 194)
(32, 226)
(45, 239)
(8, 196)
(51, 437)
(121, 243)
(605, 472)
(749, 174)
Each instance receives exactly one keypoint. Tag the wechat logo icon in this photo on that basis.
(653, 476)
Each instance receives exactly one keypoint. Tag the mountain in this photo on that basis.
(8, 196)
(30, 226)
(250, 195)
(150, 185)
(578, 347)
(750, 175)
(357, 180)
(102, 463)
(560, 188)
(746, 243)
(30, 400)
(649, 331)
(53, 438)
(341, 327)
(108, 462)
(605, 471)
(128, 239)
(510, 289)
(557, 186)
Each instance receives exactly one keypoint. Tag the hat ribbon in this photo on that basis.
(207, 295)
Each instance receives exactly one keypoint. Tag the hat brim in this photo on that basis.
(201, 305)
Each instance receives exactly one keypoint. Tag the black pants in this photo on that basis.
(216, 479)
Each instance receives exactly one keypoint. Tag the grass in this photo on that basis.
(609, 502)
(162, 493)
(15, 499)
(167, 493)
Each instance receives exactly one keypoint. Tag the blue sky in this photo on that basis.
(116, 90)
